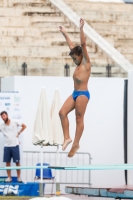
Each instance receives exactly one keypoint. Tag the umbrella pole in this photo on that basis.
(57, 174)
(41, 189)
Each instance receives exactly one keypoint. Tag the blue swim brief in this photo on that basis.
(78, 93)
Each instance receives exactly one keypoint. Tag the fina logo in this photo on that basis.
(9, 189)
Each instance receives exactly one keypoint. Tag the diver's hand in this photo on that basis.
(61, 29)
(81, 23)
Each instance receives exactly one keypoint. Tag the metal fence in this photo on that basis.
(31, 158)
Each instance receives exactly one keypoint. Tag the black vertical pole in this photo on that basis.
(67, 68)
(125, 124)
(108, 69)
(24, 66)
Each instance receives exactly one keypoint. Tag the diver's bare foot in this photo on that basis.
(66, 143)
(73, 151)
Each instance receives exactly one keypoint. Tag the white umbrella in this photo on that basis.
(42, 129)
(55, 120)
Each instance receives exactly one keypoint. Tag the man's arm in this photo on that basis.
(69, 42)
(83, 44)
(22, 129)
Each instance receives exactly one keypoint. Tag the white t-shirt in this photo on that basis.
(10, 132)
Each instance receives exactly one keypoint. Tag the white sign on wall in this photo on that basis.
(11, 103)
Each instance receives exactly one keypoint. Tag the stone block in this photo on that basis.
(29, 11)
(96, 6)
(1, 3)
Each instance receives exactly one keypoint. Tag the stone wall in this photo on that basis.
(29, 33)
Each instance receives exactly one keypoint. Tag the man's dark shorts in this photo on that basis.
(11, 152)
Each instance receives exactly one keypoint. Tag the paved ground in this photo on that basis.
(73, 197)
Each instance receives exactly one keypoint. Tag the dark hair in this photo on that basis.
(76, 50)
(3, 112)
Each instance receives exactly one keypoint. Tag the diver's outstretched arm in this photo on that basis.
(69, 42)
(83, 42)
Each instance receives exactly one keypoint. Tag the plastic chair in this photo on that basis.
(47, 174)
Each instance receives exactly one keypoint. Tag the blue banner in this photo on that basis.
(19, 189)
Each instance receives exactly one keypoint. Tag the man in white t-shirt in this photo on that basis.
(11, 148)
